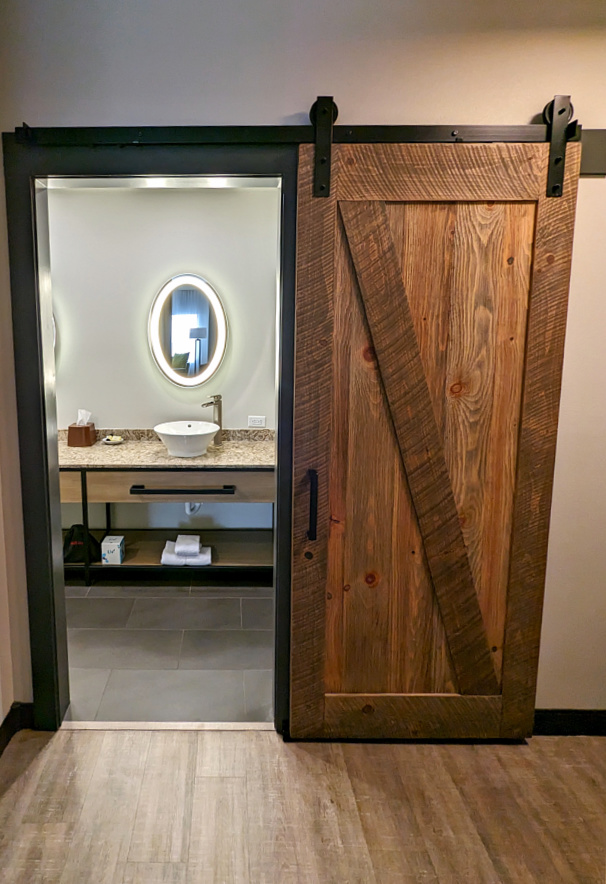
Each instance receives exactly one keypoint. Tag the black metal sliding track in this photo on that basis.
(32, 156)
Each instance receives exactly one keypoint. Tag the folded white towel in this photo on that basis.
(187, 545)
(169, 556)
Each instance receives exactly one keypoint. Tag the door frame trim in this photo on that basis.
(31, 152)
(30, 159)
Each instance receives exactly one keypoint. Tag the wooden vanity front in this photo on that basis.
(140, 471)
(168, 486)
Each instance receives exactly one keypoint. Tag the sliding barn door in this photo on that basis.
(431, 307)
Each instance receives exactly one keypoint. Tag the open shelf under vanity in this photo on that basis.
(235, 552)
(231, 548)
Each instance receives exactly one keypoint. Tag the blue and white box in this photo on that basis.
(112, 549)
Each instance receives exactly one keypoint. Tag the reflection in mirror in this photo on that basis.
(187, 330)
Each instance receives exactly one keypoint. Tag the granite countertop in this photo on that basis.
(140, 453)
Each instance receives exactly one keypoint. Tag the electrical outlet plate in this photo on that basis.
(256, 420)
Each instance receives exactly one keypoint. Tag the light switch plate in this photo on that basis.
(256, 420)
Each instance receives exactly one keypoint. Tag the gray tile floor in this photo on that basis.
(170, 653)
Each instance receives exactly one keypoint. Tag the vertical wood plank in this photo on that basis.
(339, 524)
(327, 819)
(534, 483)
(394, 838)
(312, 442)
(412, 412)
(372, 474)
(271, 834)
(221, 754)
(518, 854)
(23, 764)
(423, 236)
(450, 836)
(471, 362)
(59, 798)
(36, 853)
(163, 818)
(218, 850)
(379, 636)
(512, 284)
(552, 817)
(101, 838)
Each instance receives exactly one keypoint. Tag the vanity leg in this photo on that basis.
(84, 495)
(108, 518)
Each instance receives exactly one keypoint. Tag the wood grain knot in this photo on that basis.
(329, 595)
(457, 389)
(308, 555)
(350, 161)
(368, 709)
(368, 354)
(550, 259)
(346, 588)
(510, 260)
(371, 578)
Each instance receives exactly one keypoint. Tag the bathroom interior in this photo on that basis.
(165, 296)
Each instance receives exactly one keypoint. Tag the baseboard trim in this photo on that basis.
(570, 722)
(547, 723)
(20, 716)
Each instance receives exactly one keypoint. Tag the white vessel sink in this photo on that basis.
(187, 438)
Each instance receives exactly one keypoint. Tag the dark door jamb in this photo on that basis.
(25, 162)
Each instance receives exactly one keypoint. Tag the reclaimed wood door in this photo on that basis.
(431, 306)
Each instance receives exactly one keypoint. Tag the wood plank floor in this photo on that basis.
(144, 807)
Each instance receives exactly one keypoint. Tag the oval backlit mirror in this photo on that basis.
(187, 330)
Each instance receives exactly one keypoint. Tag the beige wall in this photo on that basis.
(573, 658)
(15, 679)
(445, 61)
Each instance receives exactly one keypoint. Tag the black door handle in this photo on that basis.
(186, 492)
(312, 533)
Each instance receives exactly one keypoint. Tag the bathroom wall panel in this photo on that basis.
(434, 280)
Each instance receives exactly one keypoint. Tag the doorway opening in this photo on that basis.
(144, 637)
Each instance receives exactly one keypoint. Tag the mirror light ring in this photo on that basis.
(165, 292)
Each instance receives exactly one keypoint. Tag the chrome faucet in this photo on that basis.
(217, 404)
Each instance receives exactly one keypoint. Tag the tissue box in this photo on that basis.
(81, 436)
(112, 550)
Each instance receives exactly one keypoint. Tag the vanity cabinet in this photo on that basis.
(241, 549)
(148, 486)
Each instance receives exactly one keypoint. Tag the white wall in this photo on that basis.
(573, 658)
(445, 61)
(112, 250)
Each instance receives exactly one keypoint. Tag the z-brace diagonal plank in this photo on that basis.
(395, 343)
